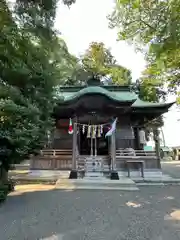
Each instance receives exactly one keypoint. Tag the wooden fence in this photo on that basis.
(52, 160)
(148, 157)
(55, 159)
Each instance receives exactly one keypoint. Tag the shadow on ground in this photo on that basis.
(42, 212)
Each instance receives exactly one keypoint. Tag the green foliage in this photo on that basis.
(120, 75)
(156, 24)
(98, 60)
(5, 189)
(33, 61)
(69, 2)
(3, 193)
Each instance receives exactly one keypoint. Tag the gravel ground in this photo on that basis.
(153, 213)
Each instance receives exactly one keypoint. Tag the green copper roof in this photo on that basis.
(114, 93)
(140, 104)
(166, 149)
(120, 96)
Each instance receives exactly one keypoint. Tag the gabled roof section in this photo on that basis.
(120, 96)
(144, 104)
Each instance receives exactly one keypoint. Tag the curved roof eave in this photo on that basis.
(144, 104)
(99, 90)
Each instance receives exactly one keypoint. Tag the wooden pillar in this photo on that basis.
(113, 152)
(73, 173)
(157, 146)
(114, 173)
(74, 146)
(138, 139)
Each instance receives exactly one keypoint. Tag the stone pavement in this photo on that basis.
(153, 213)
(61, 177)
(171, 168)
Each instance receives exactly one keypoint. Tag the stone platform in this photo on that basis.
(150, 176)
(62, 181)
(99, 183)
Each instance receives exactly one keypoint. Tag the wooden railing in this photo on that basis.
(132, 152)
(148, 157)
(55, 152)
(53, 159)
(61, 159)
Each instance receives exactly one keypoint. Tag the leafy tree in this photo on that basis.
(69, 2)
(98, 60)
(120, 75)
(153, 24)
(32, 61)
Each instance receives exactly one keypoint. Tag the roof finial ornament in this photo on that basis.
(135, 87)
(94, 80)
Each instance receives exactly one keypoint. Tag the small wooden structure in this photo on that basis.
(166, 153)
(92, 109)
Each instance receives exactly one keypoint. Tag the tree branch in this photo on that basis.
(147, 24)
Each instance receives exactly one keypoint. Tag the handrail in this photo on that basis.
(55, 152)
(135, 157)
(132, 152)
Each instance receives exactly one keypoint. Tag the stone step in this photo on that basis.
(91, 168)
(100, 183)
(91, 171)
(94, 174)
(91, 163)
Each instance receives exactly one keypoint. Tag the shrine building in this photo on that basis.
(87, 150)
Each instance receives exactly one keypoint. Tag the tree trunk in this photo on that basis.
(157, 146)
(163, 138)
(4, 175)
(4, 181)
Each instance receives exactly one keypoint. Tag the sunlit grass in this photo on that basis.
(19, 171)
(26, 188)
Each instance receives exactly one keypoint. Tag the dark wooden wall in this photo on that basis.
(125, 137)
(62, 139)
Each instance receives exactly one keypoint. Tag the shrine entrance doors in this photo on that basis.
(92, 144)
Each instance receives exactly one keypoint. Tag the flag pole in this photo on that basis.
(114, 173)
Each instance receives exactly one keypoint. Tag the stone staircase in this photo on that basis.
(93, 166)
(96, 171)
